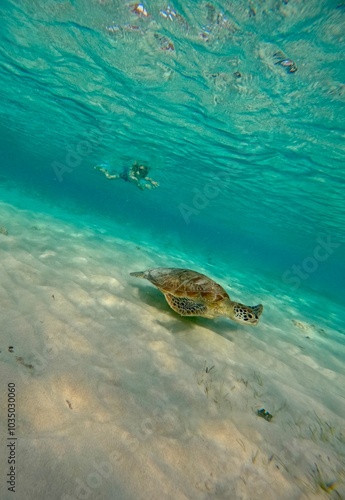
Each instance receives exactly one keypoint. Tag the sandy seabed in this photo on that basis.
(117, 397)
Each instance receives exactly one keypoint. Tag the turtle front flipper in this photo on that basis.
(185, 306)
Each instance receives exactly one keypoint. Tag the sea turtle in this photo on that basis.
(193, 294)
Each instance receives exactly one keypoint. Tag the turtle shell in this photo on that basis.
(186, 283)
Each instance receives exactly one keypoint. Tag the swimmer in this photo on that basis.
(137, 174)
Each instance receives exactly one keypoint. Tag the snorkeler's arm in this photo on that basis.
(153, 183)
(132, 177)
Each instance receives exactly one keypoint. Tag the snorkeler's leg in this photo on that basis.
(111, 176)
(106, 173)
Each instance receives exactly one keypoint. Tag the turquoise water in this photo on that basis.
(249, 156)
(237, 108)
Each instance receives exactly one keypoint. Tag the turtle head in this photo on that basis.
(246, 315)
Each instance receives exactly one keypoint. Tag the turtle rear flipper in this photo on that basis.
(139, 274)
(185, 306)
